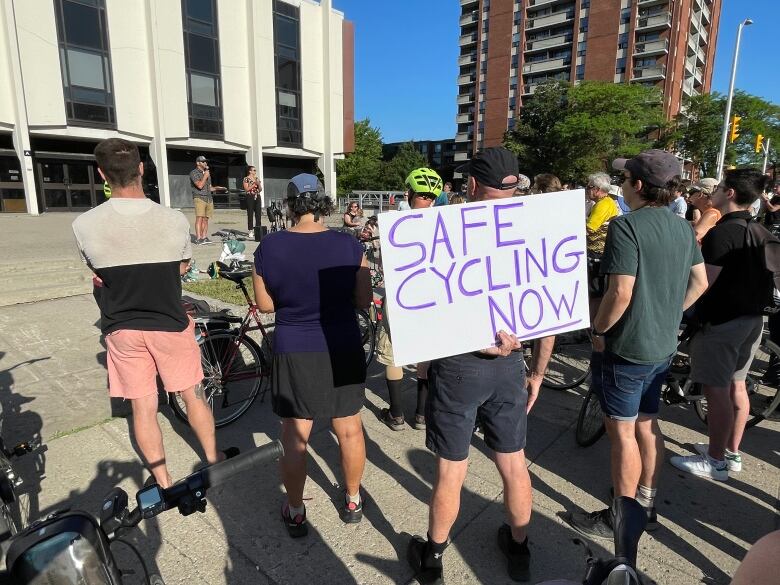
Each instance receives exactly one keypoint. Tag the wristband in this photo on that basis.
(595, 333)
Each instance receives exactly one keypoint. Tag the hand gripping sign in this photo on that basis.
(456, 275)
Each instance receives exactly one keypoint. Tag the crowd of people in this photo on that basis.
(659, 248)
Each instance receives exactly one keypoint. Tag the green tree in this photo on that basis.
(398, 168)
(362, 168)
(575, 130)
(699, 128)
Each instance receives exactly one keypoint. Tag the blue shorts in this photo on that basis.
(464, 386)
(627, 389)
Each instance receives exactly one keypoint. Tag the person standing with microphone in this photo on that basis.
(253, 187)
(200, 184)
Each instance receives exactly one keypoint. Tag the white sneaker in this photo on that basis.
(733, 460)
(702, 466)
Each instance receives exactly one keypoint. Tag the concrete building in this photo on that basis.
(261, 82)
(509, 47)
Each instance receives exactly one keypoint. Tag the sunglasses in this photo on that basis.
(428, 196)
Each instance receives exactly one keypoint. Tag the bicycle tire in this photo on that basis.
(9, 502)
(590, 421)
(367, 334)
(565, 370)
(763, 386)
(244, 373)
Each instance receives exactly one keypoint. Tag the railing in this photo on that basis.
(468, 39)
(467, 59)
(549, 20)
(465, 98)
(658, 46)
(469, 18)
(463, 118)
(547, 65)
(664, 19)
(548, 42)
(650, 72)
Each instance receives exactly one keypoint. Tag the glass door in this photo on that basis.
(69, 186)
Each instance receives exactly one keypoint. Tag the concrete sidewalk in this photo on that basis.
(52, 384)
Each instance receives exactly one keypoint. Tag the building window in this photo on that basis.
(201, 59)
(623, 41)
(620, 66)
(584, 24)
(625, 16)
(580, 71)
(85, 62)
(288, 74)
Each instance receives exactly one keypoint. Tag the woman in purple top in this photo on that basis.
(313, 279)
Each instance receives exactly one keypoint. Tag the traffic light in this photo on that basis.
(734, 128)
(759, 143)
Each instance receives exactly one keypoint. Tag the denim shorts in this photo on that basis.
(464, 386)
(627, 389)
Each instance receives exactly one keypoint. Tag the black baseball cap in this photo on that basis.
(491, 166)
(655, 167)
(201, 158)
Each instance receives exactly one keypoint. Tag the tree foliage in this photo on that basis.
(398, 168)
(576, 130)
(362, 168)
(699, 128)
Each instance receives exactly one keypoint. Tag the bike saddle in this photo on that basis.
(234, 274)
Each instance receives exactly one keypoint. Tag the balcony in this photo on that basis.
(548, 42)
(466, 40)
(651, 2)
(663, 20)
(701, 56)
(464, 118)
(530, 89)
(467, 79)
(699, 76)
(706, 14)
(549, 20)
(548, 65)
(462, 137)
(652, 47)
(703, 36)
(469, 2)
(467, 59)
(469, 18)
(465, 98)
(536, 3)
(690, 65)
(693, 43)
(461, 156)
(652, 73)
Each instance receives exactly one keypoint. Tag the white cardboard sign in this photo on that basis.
(457, 274)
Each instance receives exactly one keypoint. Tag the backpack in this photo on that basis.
(767, 250)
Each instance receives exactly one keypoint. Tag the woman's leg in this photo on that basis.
(349, 432)
(295, 437)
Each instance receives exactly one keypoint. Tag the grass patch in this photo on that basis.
(61, 434)
(220, 289)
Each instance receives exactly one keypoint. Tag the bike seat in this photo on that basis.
(235, 274)
(217, 316)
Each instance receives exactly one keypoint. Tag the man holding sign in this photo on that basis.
(490, 382)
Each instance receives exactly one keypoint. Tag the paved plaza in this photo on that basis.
(53, 385)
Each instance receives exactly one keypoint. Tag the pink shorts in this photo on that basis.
(135, 358)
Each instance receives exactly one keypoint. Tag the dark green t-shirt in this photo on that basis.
(658, 248)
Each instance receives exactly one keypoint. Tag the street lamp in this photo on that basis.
(727, 117)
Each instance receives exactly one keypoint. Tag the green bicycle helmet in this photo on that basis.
(424, 180)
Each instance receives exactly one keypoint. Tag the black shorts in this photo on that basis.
(596, 281)
(463, 386)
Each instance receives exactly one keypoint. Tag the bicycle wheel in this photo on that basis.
(9, 504)
(570, 361)
(233, 369)
(590, 422)
(367, 334)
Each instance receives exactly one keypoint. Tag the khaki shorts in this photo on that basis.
(203, 208)
(723, 353)
(384, 346)
(135, 358)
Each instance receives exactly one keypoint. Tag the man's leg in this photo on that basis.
(349, 432)
(198, 228)
(149, 437)
(625, 461)
(651, 449)
(720, 419)
(517, 491)
(202, 421)
(295, 438)
(445, 500)
(250, 213)
(741, 406)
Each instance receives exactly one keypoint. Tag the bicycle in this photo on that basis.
(10, 512)
(75, 547)
(763, 387)
(569, 364)
(234, 364)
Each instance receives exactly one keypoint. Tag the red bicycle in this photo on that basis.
(235, 366)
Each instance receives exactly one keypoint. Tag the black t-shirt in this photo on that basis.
(772, 217)
(730, 296)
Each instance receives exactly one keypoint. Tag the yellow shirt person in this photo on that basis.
(598, 221)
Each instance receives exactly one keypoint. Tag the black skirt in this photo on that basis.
(318, 384)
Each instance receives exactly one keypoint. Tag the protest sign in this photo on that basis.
(455, 275)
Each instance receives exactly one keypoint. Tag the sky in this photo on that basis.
(406, 55)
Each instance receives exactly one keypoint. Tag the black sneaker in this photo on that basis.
(518, 557)
(351, 513)
(415, 554)
(296, 527)
(419, 422)
(590, 524)
(394, 422)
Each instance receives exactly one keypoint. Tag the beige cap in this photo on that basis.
(707, 186)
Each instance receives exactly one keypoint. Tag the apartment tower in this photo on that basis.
(509, 47)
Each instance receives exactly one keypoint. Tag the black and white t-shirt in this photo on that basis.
(136, 247)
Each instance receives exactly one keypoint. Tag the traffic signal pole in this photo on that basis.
(766, 154)
(726, 119)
